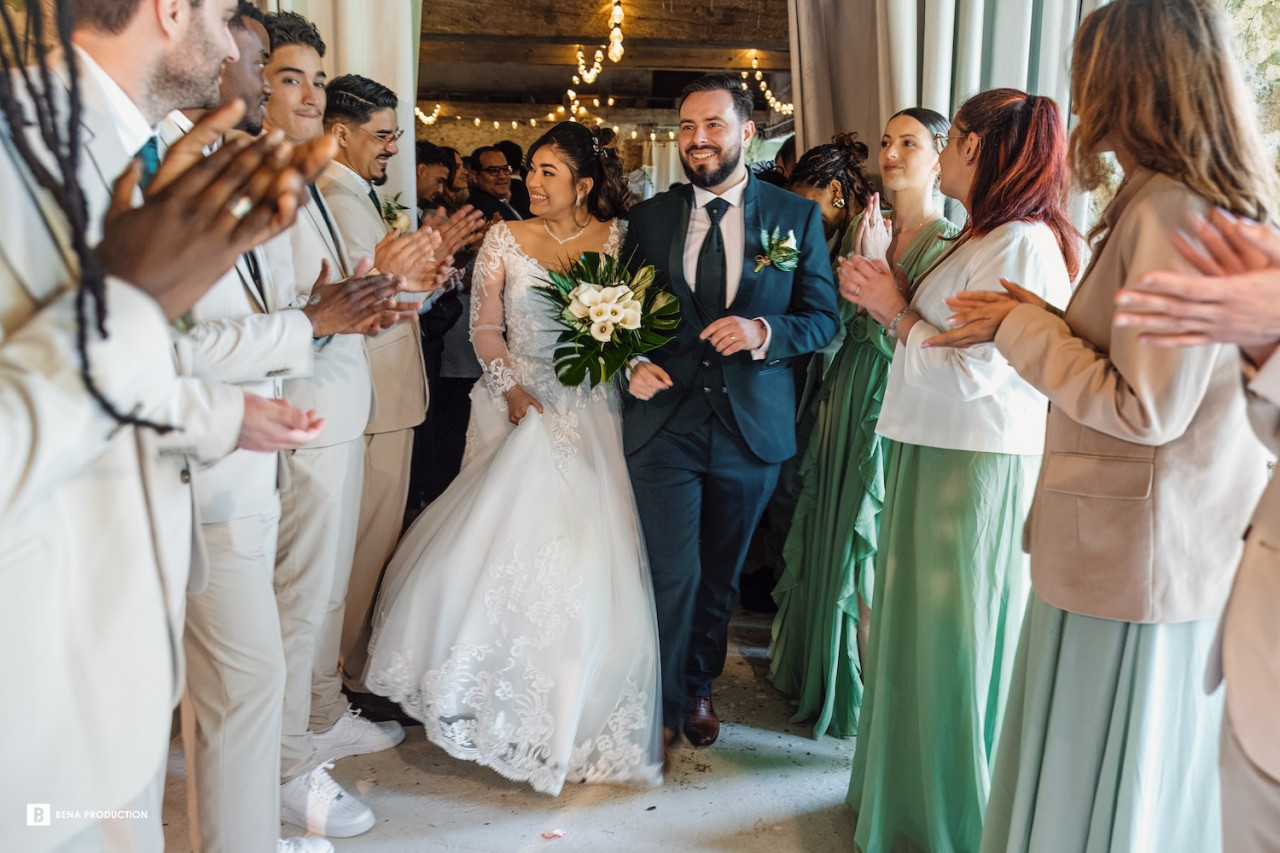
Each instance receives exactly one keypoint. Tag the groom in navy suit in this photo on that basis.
(711, 417)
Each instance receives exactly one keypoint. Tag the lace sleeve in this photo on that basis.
(488, 280)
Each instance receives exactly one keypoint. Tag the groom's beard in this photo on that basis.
(706, 175)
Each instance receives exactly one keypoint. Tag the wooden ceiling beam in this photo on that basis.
(665, 56)
(752, 23)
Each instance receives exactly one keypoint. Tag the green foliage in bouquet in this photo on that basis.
(609, 316)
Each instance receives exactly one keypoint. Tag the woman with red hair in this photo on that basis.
(966, 433)
(1151, 468)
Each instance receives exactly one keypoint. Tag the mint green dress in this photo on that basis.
(830, 552)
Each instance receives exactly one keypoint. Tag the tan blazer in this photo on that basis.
(1247, 651)
(84, 606)
(339, 388)
(1150, 468)
(395, 356)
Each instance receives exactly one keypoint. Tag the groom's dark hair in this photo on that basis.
(731, 83)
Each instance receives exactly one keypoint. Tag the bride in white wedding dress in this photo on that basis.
(516, 618)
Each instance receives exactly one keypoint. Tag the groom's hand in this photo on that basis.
(647, 379)
(734, 334)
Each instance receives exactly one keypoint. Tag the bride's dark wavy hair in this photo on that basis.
(591, 153)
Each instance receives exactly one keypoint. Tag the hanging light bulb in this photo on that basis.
(573, 96)
(653, 137)
(618, 15)
(610, 102)
(671, 134)
(634, 134)
(496, 125)
(560, 109)
(595, 102)
(514, 125)
(615, 128)
(477, 121)
(533, 122)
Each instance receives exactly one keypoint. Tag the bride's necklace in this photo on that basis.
(552, 235)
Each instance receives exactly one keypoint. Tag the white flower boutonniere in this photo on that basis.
(393, 213)
(781, 252)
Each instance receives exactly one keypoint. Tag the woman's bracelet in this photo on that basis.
(892, 328)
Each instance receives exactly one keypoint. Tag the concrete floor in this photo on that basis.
(764, 787)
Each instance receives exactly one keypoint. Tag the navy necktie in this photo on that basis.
(149, 153)
(373, 197)
(711, 264)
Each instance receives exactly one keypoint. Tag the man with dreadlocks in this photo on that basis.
(96, 523)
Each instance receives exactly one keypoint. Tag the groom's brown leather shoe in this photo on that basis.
(701, 725)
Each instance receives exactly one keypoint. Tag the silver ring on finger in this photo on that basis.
(240, 207)
(857, 290)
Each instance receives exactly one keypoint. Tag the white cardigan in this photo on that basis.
(971, 399)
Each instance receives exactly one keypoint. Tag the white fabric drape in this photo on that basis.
(664, 156)
(855, 64)
(378, 40)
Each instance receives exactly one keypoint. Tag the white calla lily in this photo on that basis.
(598, 313)
(602, 331)
(630, 318)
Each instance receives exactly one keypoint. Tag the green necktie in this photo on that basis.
(149, 153)
(711, 264)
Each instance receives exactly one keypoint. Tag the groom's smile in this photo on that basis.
(712, 136)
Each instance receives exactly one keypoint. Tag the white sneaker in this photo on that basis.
(354, 735)
(304, 844)
(320, 805)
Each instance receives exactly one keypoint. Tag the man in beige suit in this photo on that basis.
(361, 115)
(98, 540)
(1242, 308)
(248, 332)
(321, 503)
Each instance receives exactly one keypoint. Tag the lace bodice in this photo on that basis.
(512, 325)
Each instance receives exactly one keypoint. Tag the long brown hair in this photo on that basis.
(1021, 172)
(1161, 80)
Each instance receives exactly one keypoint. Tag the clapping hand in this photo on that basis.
(979, 314)
(362, 304)
(463, 228)
(413, 257)
(201, 213)
(873, 286)
(1235, 298)
(271, 425)
(875, 233)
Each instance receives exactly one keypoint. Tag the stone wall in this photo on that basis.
(1257, 29)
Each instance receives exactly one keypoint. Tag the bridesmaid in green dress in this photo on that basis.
(819, 634)
(965, 437)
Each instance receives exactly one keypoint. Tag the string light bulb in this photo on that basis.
(588, 74)
(427, 119)
(616, 18)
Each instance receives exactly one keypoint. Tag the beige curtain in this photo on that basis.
(378, 40)
(664, 158)
(856, 63)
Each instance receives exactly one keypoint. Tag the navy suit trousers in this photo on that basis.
(700, 496)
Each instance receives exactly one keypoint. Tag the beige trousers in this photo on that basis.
(318, 514)
(1250, 799)
(386, 489)
(231, 714)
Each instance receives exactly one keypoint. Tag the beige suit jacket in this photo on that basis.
(395, 356)
(1247, 652)
(84, 606)
(1150, 468)
(339, 388)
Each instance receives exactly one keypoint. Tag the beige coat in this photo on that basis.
(395, 356)
(1247, 652)
(1150, 468)
(96, 530)
(339, 388)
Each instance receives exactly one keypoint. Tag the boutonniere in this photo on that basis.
(781, 252)
(393, 213)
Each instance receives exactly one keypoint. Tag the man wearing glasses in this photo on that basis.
(492, 191)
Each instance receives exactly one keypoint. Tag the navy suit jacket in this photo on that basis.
(799, 306)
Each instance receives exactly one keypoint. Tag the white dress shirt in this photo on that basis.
(130, 123)
(972, 399)
(733, 228)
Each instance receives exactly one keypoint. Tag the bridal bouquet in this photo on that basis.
(609, 316)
